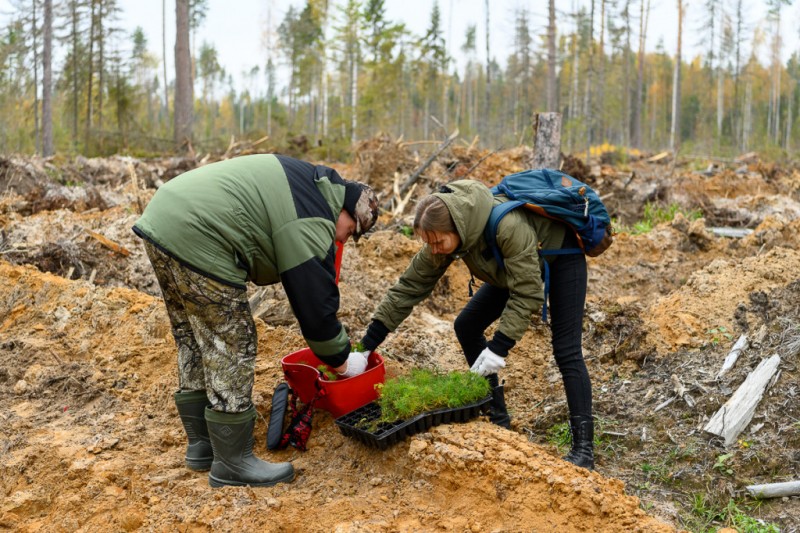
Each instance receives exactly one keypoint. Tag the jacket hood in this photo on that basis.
(470, 203)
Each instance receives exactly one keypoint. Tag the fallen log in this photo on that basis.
(736, 414)
(774, 490)
(735, 233)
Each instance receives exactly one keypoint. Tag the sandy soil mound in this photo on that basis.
(716, 297)
(89, 418)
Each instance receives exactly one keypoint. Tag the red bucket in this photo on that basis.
(340, 396)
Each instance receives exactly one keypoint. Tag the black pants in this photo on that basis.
(567, 298)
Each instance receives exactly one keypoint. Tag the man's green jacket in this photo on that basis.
(260, 218)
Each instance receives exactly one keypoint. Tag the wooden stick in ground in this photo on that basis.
(730, 360)
(135, 182)
(774, 490)
(413, 178)
(402, 201)
(108, 243)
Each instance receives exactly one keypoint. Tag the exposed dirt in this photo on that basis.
(91, 440)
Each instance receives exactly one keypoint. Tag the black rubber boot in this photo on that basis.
(234, 463)
(191, 408)
(582, 452)
(498, 414)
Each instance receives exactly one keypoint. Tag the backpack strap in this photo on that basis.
(490, 230)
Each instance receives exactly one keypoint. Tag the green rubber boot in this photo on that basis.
(191, 408)
(234, 463)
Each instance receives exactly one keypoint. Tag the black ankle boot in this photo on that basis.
(582, 452)
(498, 414)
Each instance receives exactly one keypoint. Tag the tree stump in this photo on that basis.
(546, 141)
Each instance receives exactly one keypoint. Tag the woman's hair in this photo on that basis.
(433, 215)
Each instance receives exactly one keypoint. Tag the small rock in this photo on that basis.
(21, 387)
(274, 503)
(375, 481)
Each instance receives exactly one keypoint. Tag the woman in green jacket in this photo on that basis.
(263, 219)
(451, 224)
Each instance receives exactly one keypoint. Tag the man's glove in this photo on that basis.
(488, 363)
(356, 364)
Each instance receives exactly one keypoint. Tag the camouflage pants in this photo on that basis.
(214, 330)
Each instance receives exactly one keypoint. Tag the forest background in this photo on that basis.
(73, 79)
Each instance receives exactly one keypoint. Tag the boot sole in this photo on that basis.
(216, 482)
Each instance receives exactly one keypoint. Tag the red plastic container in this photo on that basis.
(341, 396)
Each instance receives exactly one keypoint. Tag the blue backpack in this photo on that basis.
(553, 194)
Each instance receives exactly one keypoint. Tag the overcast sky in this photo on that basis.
(236, 27)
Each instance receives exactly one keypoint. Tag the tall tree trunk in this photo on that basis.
(47, 81)
(720, 101)
(325, 91)
(100, 66)
(776, 77)
(626, 84)
(183, 75)
(89, 99)
(638, 104)
(551, 57)
(738, 127)
(354, 97)
(674, 134)
(747, 121)
(487, 90)
(74, 22)
(574, 97)
(788, 117)
(601, 82)
(588, 111)
(164, 54)
(35, 81)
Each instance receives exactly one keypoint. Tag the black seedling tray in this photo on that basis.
(354, 423)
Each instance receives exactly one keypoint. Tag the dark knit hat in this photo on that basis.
(362, 204)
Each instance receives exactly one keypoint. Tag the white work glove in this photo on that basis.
(356, 364)
(488, 363)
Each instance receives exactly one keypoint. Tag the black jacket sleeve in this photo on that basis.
(314, 297)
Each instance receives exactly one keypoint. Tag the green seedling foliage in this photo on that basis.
(424, 390)
(358, 347)
(406, 230)
(722, 463)
(718, 333)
